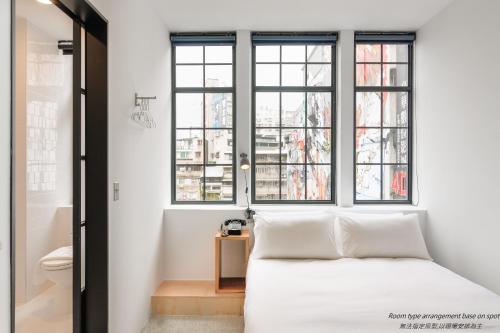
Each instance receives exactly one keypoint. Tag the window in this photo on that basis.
(383, 115)
(203, 118)
(293, 117)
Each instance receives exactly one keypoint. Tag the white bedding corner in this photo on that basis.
(357, 295)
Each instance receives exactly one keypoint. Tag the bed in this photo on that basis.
(362, 295)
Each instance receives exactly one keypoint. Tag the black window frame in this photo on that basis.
(406, 38)
(202, 39)
(296, 38)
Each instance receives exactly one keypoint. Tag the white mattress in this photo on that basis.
(357, 295)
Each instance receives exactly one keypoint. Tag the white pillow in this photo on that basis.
(297, 235)
(384, 237)
(337, 231)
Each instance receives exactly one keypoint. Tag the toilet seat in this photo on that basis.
(57, 260)
(57, 265)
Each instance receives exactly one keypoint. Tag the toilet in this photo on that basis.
(57, 266)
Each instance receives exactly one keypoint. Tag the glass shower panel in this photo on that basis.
(44, 169)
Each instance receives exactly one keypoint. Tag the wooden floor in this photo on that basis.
(195, 298)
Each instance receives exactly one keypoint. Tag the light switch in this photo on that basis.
(116, 191)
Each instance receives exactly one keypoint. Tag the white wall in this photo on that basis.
(243, 107)
(189, 243)
(189, 237)
(345, 118)
(458, 117)
(4, 165)
(138, 62)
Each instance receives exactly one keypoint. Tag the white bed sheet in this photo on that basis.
(357, 295)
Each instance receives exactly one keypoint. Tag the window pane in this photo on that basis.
(319, 75)
(218, 183)
(267, 182)
(189, 183)
(267, 53)
(189, 146)
(293, 53)
(189, 54)
(368, 145)
(319, 182)
(218, 76)
(396, 109)
(382, 121)
(189, 108)
(319, 53)
(219, 110)
(267, 75)
(293, 109)
(292, 75)
(395, 182)
(227, 183)
(289, 115)
(292, 145)
(219, 54)
(219, 146)
(368, 109)
(292, 182)
(396, 75)
(368, 182)
(267, 106)
(395, 52)
(368, 53)
(319, 109)
(368, 75)
(267, 146)
(204, 121)
(395, 146)
(189, 76)
(319, 145)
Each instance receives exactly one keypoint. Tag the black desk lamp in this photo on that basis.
(245, 165)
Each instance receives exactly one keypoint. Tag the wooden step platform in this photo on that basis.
(195, 298)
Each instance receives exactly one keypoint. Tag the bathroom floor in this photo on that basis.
(36, 316)
(195, 324)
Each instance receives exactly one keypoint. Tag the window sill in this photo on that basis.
(305, 207)
(204, 207)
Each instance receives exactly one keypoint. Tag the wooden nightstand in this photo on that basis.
(230, 285)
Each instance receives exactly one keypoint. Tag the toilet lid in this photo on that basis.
(55, 265)
(59, 259)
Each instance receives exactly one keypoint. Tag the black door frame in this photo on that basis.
(90, 312)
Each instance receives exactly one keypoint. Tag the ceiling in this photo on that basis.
(297, 15)
(47, 18)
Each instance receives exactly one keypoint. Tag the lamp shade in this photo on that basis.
(244, 162)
